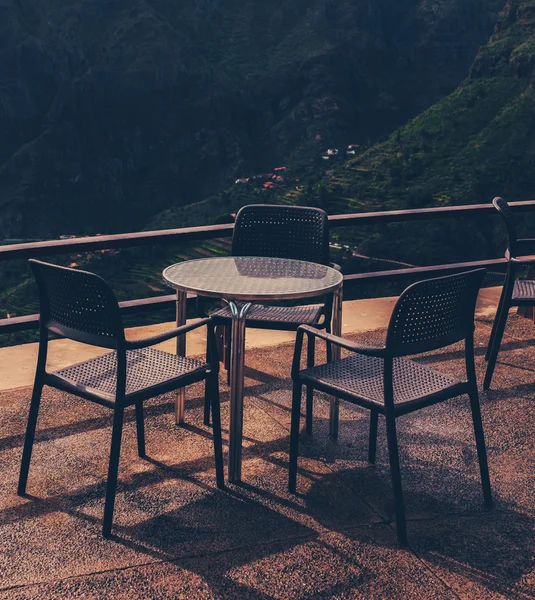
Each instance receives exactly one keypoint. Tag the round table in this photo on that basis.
(240, 281)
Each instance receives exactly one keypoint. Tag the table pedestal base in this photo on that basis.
(237, 365)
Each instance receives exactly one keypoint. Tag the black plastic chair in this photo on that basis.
(295, 232)
(428, 315)
(81, 306)
(514, 292)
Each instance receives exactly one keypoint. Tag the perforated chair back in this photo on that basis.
(296, 232)
(434, 313)
(78, 305)
(508, 217)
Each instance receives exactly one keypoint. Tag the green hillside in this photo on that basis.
(472, 145)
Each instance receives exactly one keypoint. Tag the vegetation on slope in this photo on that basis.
(472, 145)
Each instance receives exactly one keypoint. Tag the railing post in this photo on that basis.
(337, 330)
(180, 401)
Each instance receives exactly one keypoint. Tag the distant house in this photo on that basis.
(332, 152)
(353, 147)
(242, 180)
(276, 169)
(107, 251)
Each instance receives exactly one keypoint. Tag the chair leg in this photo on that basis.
(113, 467)
(228, 349)
(396, 479)
(212, 394)
(481, 449)
(140, 428)
(328, 345)
(495, 323)
(372, 446)
(294, 435)
(311, 347)
(29, 438)
(496, 343)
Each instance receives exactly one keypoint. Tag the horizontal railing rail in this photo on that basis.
(208, 232)
(173, 236)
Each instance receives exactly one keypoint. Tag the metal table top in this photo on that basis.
(251, 278)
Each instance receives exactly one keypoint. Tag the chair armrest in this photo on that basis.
(379, 352)
(167, 335)
(525, 253)
(527, 260)
(343, 343)
(335, 266)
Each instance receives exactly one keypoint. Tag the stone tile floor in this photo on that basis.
(178, 536)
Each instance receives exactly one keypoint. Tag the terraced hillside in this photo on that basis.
(472, 145)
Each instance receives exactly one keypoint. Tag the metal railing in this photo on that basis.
(174, 236)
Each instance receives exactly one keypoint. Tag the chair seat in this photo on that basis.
(524, 289)
(289, 315)
(145, 368)
(362, 376)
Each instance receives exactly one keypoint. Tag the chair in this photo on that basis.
(428, 315)
(296, 232)
(514, 292)
(82, 307)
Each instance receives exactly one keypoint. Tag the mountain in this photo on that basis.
(474, 144)
(112, 111)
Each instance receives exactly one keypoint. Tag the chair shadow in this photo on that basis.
(212, 527)
(460, 539)
(210, 533)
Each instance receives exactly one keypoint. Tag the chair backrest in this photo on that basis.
(297, 232)
(434, 313)
(508, 217)
(78, 305)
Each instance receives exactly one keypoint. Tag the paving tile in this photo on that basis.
(361, 564)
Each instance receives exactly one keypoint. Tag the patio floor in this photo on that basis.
(178, 536)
